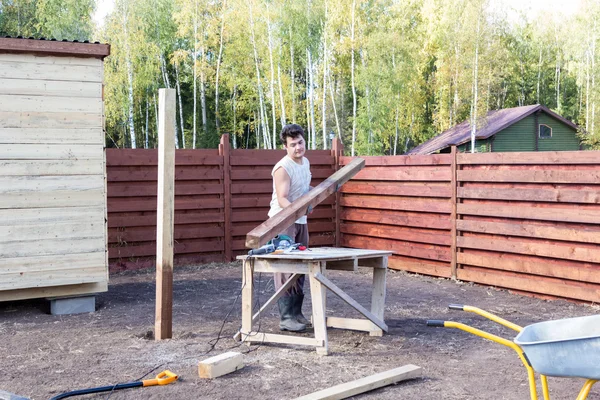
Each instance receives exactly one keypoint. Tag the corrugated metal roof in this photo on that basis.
(494, 122)
(54, 47)
(49, 39)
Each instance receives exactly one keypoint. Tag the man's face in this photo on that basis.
(295, 147)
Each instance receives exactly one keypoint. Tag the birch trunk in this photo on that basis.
(324, 89)
(130, 85)
(353, 81)
(217, 119)
(270, 41)
(156, 117)
(203, 91)
(475, 90)
(311, 103)
(282, 116)
(397, 112)
(180, 111)
(195, 59)
(146, 130)
(337, 121)
(539, 76)
(233, 133)
(292, 78)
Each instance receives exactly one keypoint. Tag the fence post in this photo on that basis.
(453, 215)
(224, 148)
(163, 323)
(337, 149)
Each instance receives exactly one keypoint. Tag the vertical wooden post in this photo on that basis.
(336, 151)
(165, 215)
(453, 215)
(224, 148)
(318, 294)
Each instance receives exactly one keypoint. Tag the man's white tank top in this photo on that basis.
(299, 183)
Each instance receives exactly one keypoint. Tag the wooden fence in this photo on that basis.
(220, 195)
(529, 222)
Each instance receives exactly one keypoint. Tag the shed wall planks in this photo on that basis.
(52, 177)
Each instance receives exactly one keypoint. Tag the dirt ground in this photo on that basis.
(44, 355)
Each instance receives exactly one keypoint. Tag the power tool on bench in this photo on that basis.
(279, 244)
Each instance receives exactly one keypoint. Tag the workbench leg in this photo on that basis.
(378, 296)
(318, 294)
(247, 300)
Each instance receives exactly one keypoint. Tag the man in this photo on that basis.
(291, 180)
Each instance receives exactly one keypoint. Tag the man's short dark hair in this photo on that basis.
(291, 131)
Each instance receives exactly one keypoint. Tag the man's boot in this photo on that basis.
(288, 320)
(298, 300)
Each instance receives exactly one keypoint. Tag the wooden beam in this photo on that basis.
(165, 215)
(349, 300)
(55, 48)
(274, 225)
(220, 365)
(284, 339)
(224, 148)
(366, 384)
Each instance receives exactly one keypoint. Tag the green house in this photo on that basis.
(527, 128)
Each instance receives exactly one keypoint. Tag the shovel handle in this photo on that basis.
(164, 378)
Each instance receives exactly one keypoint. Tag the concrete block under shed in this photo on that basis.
(220, 365)
(72, 305)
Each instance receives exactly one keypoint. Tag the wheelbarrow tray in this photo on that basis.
(565, 347)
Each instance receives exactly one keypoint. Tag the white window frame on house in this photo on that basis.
(540, 131)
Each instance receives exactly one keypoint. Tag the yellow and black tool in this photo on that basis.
(164, 378)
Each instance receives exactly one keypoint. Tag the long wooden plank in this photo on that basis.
(39, 87)
(124, 204)
(53, 291)
(420, 173)
(529, 176)
(18, 103)
(51, 152)
(366, 384)
(541, 285)
(50, 120)
(536, 158)
(45, 278)
(284, 339)
(431, 205)
(354, 324)
(561, 269)
(78, 73)
(266, 231)
(585, 235)
(165, 215)
(431, 159)
(425, 267)
(58, 198)
(65, 231)
(50, 167)
(148, 233)
(33, 247)
(143, 157)
(398, 189)
(350, 301)
(398, 218)
(535, 213)
(118, 221)
(541, 249)
(150, 173)
(547, 195)
(53, 262)
(136, 189)
(258, 173)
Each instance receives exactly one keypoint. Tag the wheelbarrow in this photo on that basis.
(563, 348)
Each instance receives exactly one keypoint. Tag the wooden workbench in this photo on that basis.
(315, 263)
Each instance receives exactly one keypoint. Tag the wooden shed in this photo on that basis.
(52, 169)
(527, 128)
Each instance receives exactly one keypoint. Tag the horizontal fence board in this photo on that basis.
(585, 235)
(148, 233)
(130, 204)
(543, 285)
(534, 213)
(435, 159)
(244, 174)
(52, 136)
(54, 72)
(403, 233)
(412, 174)
(181, 247)
(530, 158)
(391, 203)
(533, 194)
(150, 173)
(417, 250)
(399, 218)
(120, 221)
(51, 120)
(563, 269)
(143, 157)
(251, 188)
(129, 189)
(524, 176)
(52, 152)
(40, 87)
(397, 189)
(541, 249)
(426, 267)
